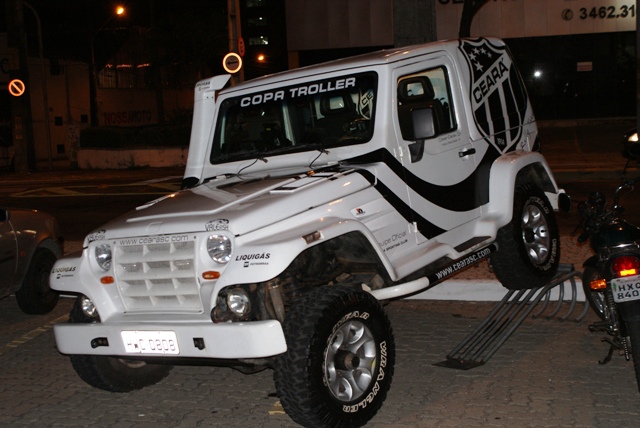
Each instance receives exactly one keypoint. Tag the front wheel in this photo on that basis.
(110, 373)
(529, 246)
(35, 296)
(339, 361)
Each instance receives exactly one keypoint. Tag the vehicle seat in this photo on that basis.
(338, 111)
(417, 93)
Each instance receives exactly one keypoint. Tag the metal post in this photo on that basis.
(45, 94)
(233, 13)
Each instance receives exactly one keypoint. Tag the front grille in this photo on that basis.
(158, 277)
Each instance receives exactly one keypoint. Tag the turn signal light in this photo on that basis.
(211, 274)
(598, 284)
(107, 280)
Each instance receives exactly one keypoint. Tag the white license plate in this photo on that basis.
(626, 289)
(150, 342)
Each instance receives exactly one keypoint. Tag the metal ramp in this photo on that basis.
(480, 345)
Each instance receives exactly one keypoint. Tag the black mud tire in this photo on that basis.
(529, 246)
(633, 329)
(596, 299)
(340, 358)
(114, 374)
(35, 296)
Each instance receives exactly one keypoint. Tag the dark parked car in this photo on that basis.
(30, 243)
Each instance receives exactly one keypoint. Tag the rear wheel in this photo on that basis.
(633, 329)
(529, 246)
(36, 296)
(339, 361)
(596, 299)
(110, 373)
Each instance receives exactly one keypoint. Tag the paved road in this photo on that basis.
(545, 375)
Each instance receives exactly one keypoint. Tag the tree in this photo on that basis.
(470, 8)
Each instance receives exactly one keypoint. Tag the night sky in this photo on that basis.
(68, 25)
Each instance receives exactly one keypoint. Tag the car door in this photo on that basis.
(8, 253)
(440, 170)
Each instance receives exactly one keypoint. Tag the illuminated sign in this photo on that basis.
(526, 18)
(232, 62)
(16, 87)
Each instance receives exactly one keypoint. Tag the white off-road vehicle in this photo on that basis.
(310, 196)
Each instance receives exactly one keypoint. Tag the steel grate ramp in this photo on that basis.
(480, 345)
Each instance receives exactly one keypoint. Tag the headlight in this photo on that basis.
(238, 302)
(103, 256)
(88, 308)
(219, 248)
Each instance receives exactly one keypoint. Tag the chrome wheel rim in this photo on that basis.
(535, 234)
(350, 361)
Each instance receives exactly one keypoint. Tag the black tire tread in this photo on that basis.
(30, 298)
(299, 401)
(109, 373)
(510, 263)
(633, 329)
(595, 299)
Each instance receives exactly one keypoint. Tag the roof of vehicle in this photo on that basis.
(381, 57)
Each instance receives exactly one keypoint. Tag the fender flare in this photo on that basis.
(506, 171)
(295, 241)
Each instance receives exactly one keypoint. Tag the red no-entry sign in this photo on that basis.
(16, 87)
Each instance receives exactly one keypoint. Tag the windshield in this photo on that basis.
(311, 116)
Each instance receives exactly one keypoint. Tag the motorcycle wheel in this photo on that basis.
(596, 299)
(633, 329)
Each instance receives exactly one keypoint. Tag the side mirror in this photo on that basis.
(424, 126)
(424, 123)
(631, 147)
(4, 215)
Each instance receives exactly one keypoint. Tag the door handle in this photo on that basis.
(467, 152)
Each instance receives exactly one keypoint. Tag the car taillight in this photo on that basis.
(626, 266)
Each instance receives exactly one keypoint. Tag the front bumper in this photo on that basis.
(257, 339)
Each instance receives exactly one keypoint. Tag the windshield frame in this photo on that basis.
(314, 115)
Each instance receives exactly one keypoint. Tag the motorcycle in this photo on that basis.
(611, 277)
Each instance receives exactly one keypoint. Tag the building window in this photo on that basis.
(259, 40)
(258, 21)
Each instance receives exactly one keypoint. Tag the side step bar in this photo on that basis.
(479, 346)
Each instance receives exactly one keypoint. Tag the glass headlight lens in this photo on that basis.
(219, 248)
(238, 301)
(103, 256)
(88, 308)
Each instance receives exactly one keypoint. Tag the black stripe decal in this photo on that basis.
(466, 195)
(425, 227)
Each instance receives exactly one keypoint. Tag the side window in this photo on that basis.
(425, 89)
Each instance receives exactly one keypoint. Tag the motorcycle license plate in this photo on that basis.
(150, 342)
(626, 289)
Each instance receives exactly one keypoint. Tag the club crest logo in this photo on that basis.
(498, 106)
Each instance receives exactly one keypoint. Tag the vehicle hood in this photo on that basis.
(33, 221)
(237, 204)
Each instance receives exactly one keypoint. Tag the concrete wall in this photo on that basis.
(125, 159)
